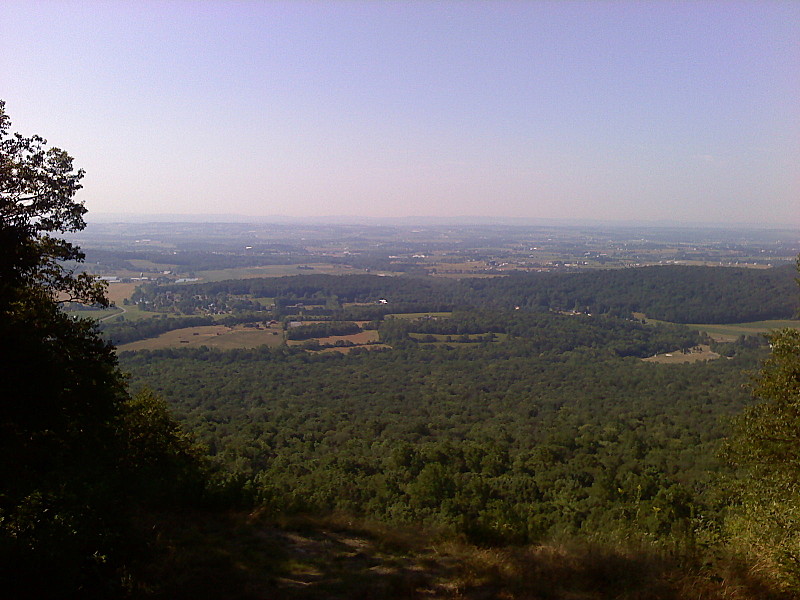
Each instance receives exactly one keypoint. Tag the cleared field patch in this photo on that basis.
(697, 354)
(729, 332)
(277, 271)
(118, 291)
(368, 336)
(213, 336)
(134, 313)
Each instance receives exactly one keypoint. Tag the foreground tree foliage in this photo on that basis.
(765, 521)
(77, 454)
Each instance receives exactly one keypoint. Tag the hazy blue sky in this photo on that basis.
(687, 111)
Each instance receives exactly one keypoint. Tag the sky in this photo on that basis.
(651, 111)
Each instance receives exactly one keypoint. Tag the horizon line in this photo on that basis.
(137, 218)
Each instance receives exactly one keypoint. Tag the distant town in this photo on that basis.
(192, 252)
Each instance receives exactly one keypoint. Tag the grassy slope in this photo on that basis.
(730, 331)
(213, 336)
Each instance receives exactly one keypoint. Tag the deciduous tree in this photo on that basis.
(71, 439)
(766, 449)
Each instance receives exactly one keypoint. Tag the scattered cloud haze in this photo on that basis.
(686, 111)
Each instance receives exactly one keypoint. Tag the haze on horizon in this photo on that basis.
(645, 111)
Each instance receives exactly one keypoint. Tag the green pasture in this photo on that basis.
(275, 271)
(730, 331)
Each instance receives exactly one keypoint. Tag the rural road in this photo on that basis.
(114, 315)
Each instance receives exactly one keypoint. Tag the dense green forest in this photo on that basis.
(674, 293)
(559, 427)
(501, 420)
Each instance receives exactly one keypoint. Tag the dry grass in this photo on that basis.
(258, 556)
(117, 292)
(229, 338)
(362, 337)
(213, 336)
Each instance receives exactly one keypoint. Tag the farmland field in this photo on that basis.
(729, 332)
(363, 337)
(275, 271)
(117, 292)
(213, 336)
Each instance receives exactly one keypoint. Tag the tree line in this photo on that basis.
(681, 294)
